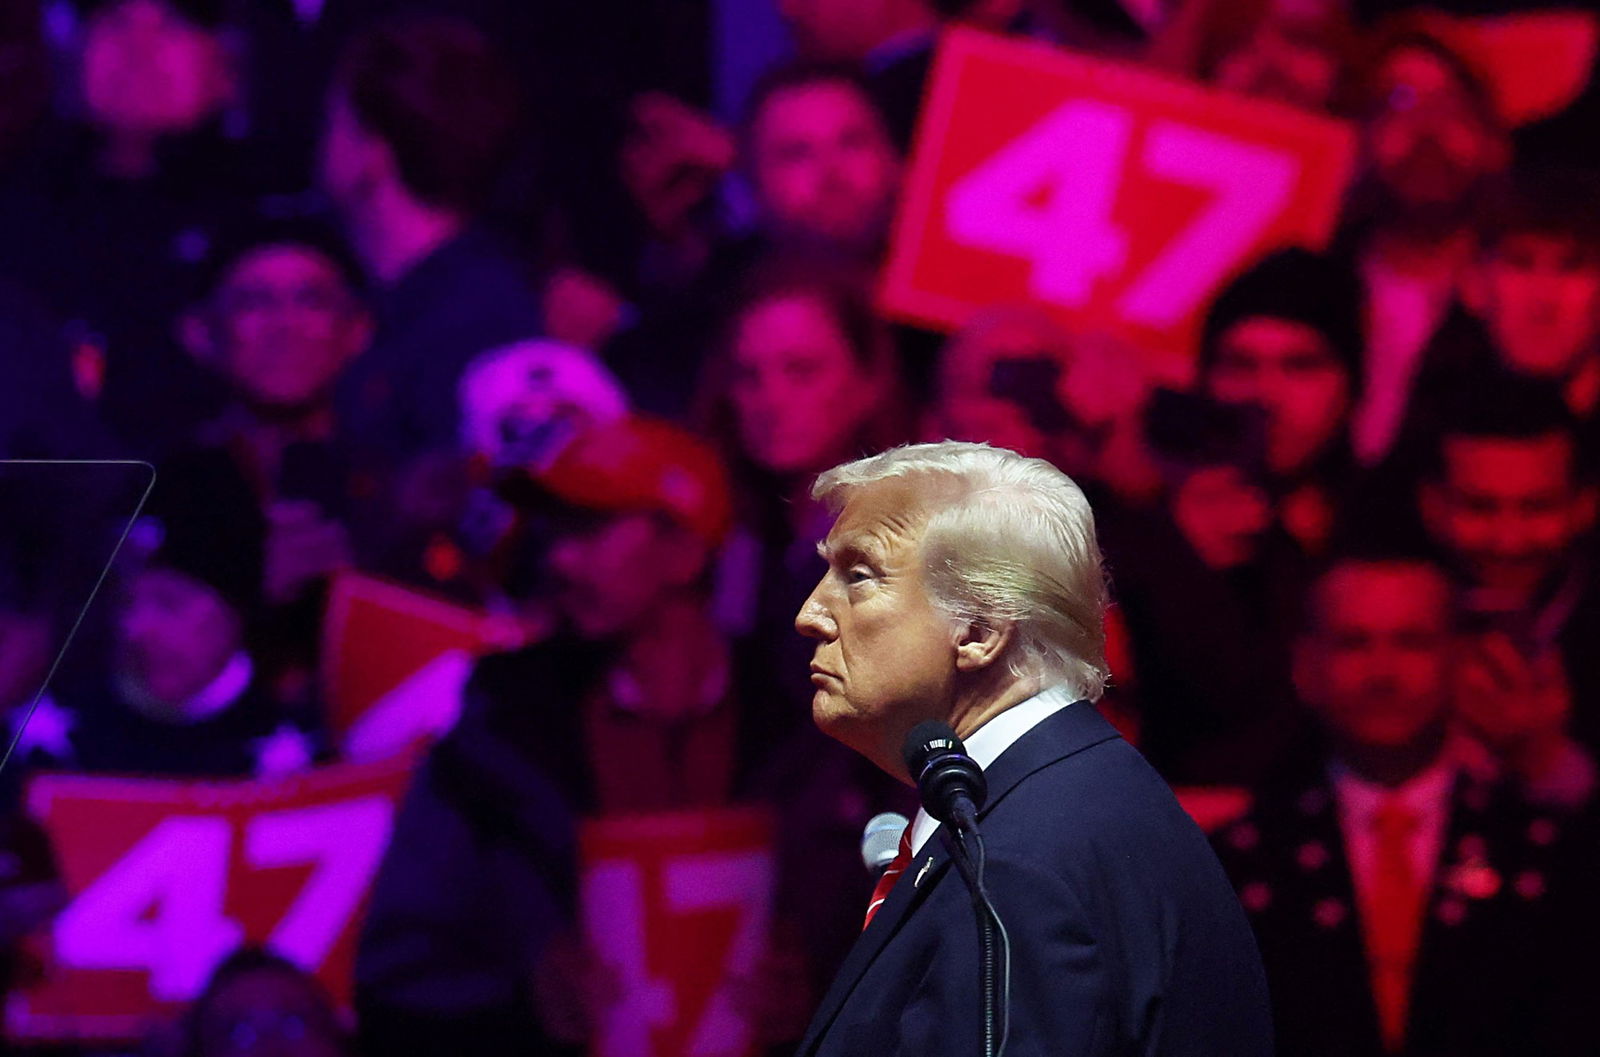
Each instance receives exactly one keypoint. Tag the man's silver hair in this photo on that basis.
(1008, 540)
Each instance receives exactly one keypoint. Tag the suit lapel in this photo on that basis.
(1072, 729)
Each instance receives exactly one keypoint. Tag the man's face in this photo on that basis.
(286, 323)
(1541, 300)
(1374, 663)
(1286, 61)
(1507, 509)
(824, 167)
(885, 654)
(613, 572)
(799, 393)
(1428, 142)
(1223, 514)
(148, 70)
(1290, 371)
(174, 635)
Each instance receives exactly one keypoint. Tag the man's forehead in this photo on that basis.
(878, 515)
(1378, 593)
(1509, 464)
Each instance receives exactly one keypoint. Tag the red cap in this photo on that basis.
(640, 463)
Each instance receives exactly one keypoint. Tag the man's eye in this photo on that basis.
(858, 574)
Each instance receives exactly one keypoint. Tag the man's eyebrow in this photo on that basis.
(855, 547)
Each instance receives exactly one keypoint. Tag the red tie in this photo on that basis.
(880, 891)
(1394, 919)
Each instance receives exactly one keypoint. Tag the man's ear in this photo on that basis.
(981, 644)
(196, 337)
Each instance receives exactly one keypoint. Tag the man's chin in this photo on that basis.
(833, 717)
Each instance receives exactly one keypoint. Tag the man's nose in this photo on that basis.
(813, 620)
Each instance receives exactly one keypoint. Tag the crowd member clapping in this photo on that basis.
(1508, 500)
(1402, 904)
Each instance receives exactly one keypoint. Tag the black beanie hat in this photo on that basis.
(1297, 285)
(203, 520)
(255, 229)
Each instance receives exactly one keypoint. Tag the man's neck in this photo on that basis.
(1392, 767)
(991, 694)
(398, 232)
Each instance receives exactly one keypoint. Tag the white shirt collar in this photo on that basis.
(986, 744)
(1424, 793)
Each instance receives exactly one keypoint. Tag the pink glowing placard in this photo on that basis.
(165, 878)
(394, 662)
(678, 907)
(1119, 199)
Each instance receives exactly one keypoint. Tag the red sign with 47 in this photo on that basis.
(1119, 199)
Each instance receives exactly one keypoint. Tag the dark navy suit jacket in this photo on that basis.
(1126, 937)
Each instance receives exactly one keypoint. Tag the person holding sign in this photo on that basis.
(964, 587)
(472, 944)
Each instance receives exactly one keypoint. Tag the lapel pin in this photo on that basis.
(922, 873)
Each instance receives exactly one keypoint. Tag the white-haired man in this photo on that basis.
(964, 585)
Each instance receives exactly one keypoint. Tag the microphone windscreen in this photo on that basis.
(927, 740)
(880, 841)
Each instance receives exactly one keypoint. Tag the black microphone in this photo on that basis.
(951, 782)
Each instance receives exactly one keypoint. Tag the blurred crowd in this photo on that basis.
(494, 300)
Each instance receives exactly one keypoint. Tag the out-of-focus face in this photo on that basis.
(1428, 143)
(1290, 371)
(148, 70)
(1223, 514)
(174, 636)
(1541, 300)
(1283, 60)
(1508, 510)
(267, 1014)
(824, 167)
(1375, 660)
(885, 655)
(800, 394)
(613, 572)
(968, 407)
(285, 324)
